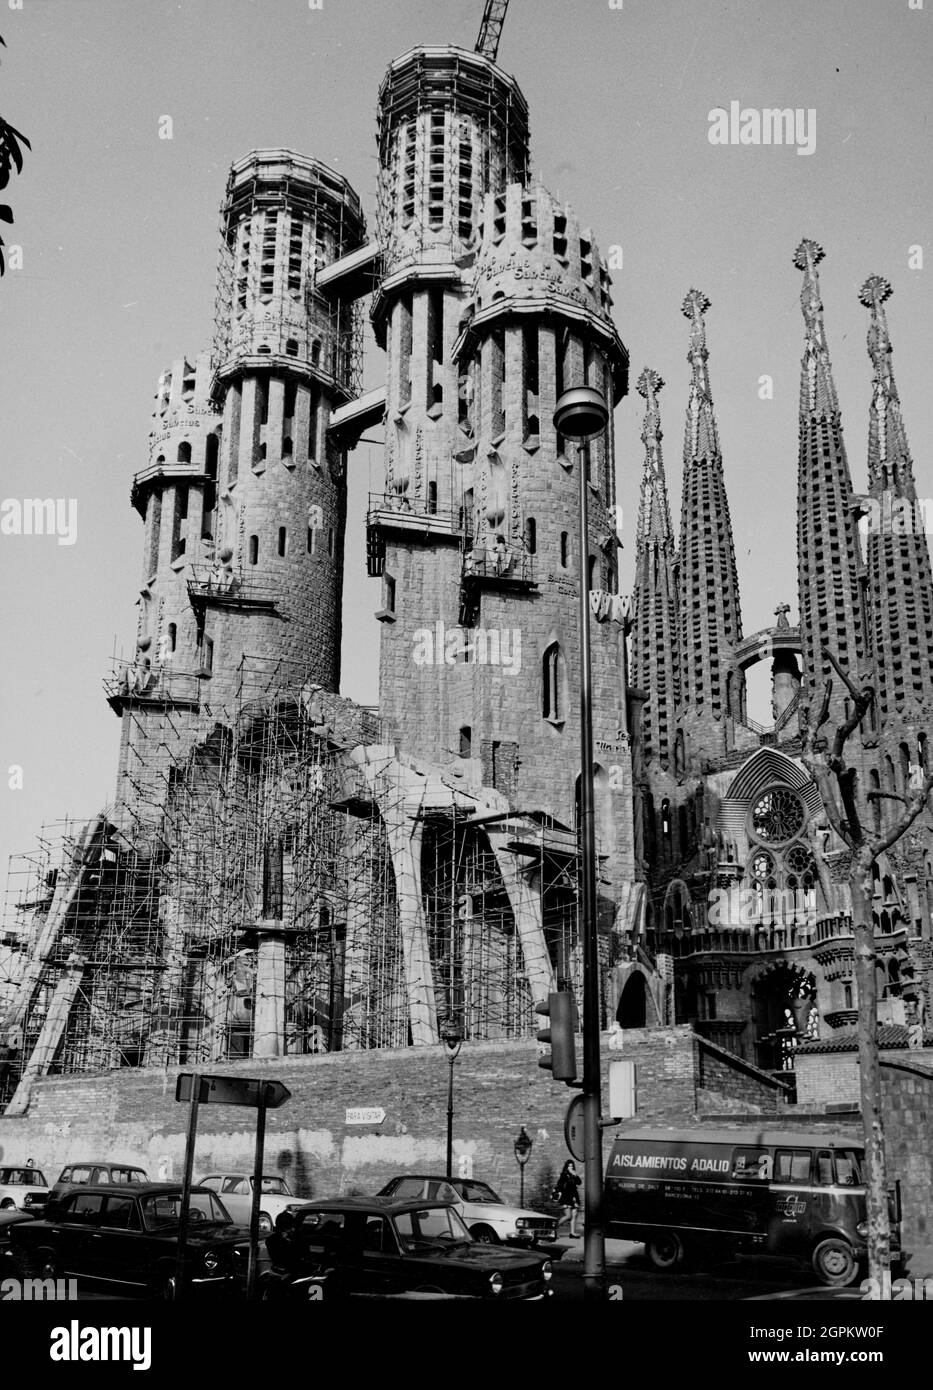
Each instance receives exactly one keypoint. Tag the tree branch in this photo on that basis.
(914, 806)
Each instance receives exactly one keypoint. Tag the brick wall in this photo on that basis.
(832, 1078)
(907, 1088)
(132, 1115)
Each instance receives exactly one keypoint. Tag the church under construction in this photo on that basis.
(285, 872)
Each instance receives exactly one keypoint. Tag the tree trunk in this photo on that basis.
(879, 1225)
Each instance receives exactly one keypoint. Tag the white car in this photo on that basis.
(236, 1192)
(489, 1219)
(23, 1188)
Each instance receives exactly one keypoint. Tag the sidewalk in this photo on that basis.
(617, 1251)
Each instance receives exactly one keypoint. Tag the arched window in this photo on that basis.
(184, 452)
(591, 572)
(254, 550)
(904, 760)
(288, 447)
(552, 695)
(564, 549)
(172, 636)
(432, 499)
(874, 784)
(210, 455)
(847, 996)
(666, 826)
(680, 759)
(466, 741)
(531, 535)
(283, 540)
(291, 348)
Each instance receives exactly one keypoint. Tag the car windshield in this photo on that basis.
(477, 1192)
(164, 1209)
(25, 1177)
(430, 1226)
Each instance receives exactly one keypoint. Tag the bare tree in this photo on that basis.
(838, 786)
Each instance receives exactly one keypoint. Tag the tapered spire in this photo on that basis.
(710, 611)
(654, 665)
(900, 583)
(829, 560)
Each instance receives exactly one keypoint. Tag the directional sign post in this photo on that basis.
(260, 1096)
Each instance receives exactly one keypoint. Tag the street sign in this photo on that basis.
(623, 1098)
(233, 1090)
(573, 1128)
(372, 1116)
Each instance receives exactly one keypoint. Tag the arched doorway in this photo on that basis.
(633, 1003)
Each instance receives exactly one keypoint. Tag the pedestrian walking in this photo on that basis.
(567, 1194)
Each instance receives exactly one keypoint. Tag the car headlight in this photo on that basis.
(522, 1223)
(211, 1261)
(547, 1270)
(495, 1282)
(862, 1229)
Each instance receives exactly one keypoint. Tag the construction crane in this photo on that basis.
(490, 31)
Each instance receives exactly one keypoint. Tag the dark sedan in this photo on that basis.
(127, 1235)
(382, 1248)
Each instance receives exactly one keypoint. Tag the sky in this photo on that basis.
(118, 237)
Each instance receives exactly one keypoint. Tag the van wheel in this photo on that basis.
(834, 1263)
(665, 1250)
(484, 1234)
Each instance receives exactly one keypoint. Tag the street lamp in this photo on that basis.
(579, 414)
(452, 1038)
(522, 1147)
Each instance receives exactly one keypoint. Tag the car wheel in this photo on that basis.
(165, 1285)
(7, 1203)
(265, 1224)
(834, 1263)
(48, 1266)
(484, 1234)
(665, 1250)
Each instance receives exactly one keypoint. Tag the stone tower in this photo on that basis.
(829, 562)
(712, 689)
(284, 361)
(655, 664)
(452, 126)
(900, 585)
(495, 300)
(244, 496)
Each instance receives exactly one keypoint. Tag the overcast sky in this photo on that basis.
(118, 231)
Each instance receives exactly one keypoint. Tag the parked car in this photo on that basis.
(236, 1193)
(22, 1187)
(96, 1170)
(382, 1248)
(126, 1234)
(10, 1217)
(487, 1217)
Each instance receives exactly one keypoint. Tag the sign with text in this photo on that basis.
(232, 1090)
(361, 1116)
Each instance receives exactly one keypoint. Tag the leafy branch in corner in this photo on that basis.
(11, 159)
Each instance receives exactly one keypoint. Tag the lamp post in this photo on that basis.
(452, 1038)
(522, 1147)
(579, 414)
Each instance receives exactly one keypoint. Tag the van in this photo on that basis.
(781, 1193)
(96, 1171)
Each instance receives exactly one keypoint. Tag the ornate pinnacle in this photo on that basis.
(695, 305)
(649, 383)
(808, 255)
(875, 291)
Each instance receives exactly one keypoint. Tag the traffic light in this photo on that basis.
(562, 1061)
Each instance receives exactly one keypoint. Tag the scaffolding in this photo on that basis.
(268, 900)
